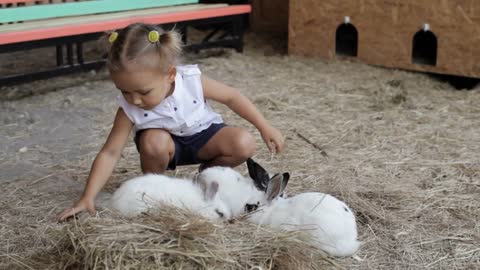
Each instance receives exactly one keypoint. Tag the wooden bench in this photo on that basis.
(28, 24)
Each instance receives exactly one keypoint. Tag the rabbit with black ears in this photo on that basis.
(238, 193)
(329, 220)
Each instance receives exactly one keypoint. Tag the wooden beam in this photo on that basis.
(39, 12)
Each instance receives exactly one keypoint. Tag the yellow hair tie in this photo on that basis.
(153, 36)
(113, 36)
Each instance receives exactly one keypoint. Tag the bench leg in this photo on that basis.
(69, 46)
(238, 32)
(70, 54)
(59, 49)
(80, 53)
(183, 32)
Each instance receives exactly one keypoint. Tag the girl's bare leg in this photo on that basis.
(156, 150)
(230, 146)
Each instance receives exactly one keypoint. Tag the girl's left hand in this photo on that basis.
(273, 138)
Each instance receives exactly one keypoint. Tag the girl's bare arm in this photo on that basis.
(241, 105)
(103, 165)
(232, 98)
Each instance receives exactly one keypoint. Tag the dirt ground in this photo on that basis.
(402, 149)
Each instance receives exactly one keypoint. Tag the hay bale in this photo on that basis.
(176, 239)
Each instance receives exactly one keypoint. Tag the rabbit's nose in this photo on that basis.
(251, 207)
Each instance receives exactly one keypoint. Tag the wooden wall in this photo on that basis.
(269, 15)
(386, 29)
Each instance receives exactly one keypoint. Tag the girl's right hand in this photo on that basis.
(82, 205)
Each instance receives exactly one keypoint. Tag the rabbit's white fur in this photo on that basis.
(234, 190)
(143, 193)
(327, 219)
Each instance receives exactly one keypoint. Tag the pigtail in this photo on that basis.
(142, 44)
(103, 42)
(115, 42)
(172, 39)
(170, 46)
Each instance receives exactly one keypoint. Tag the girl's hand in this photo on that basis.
(273, 138)
(82, 205)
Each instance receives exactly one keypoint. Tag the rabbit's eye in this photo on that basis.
(250, 207)
(220, 214)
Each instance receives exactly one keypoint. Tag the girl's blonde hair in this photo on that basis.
(132, 45)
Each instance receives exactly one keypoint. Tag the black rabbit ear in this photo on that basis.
(258, 174)
(276, 186)
(286, 177)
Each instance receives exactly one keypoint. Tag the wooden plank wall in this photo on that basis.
(269, 15)
(386, 29)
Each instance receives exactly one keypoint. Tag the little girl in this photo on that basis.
(167, 107)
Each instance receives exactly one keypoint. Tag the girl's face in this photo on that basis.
(146, 88)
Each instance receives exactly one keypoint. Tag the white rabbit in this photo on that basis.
(328, 219)
(140, 194)
(236, 191)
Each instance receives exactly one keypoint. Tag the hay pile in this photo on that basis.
(176, 239)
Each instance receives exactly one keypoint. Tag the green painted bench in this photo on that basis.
(66, 25)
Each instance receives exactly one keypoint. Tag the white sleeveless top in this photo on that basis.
(184, 113)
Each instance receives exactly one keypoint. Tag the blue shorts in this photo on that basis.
(187, 147)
